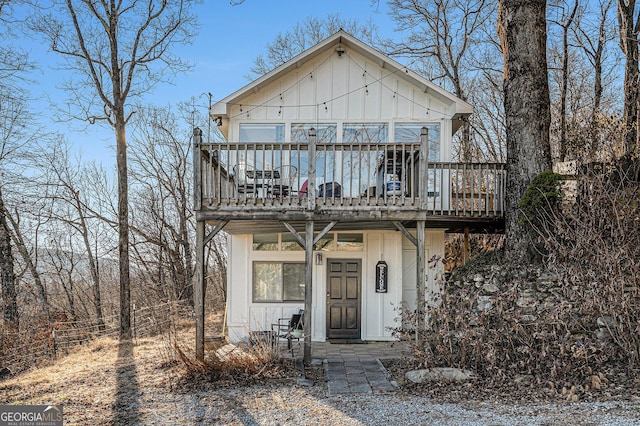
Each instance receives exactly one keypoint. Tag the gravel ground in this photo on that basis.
(284, 404)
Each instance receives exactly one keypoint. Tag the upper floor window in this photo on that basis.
(410, 132)
(364, 132)
(261, 132)
(261, 158)
(325, 132)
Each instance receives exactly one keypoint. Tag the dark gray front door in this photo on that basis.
(343, 299)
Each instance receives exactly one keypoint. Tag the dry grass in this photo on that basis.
(93, 380)
(110, 382)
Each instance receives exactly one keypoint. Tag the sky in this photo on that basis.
(223, 52)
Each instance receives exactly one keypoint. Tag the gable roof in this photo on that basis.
(462, 109)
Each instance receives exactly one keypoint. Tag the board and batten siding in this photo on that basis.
(379, 311)
(434, 246)
(337, 89)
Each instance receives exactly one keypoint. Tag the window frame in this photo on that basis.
(282, 281)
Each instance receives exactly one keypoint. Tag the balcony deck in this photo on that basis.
(366, 186)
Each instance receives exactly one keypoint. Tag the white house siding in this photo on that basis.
(243, 314)
(333, 89)
(434, 246)
(378, 310)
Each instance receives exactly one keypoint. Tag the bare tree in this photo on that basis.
(7, 276)
(69, 195)
(30, 259)
(12, 65)
(443, 36)
(526, 103)
(593, 39)
(303, 36)
(487, 124)
(565, 21)
(583, 71)
(629, 25)
(162, 172)
(118, 51)
(62, 264)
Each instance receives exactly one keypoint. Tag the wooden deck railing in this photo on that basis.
(307, 176)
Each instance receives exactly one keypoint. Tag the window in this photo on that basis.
(358, 166)
(326, 243)
(265, 242)
(276, 242)
(261, 134)
(329, 242)
(350, 242)
(290, 243)
(325, 133)
(278, 282)
(410, 132)
(364, 132)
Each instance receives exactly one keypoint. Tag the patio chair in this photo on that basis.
(289, 329)
(244, 182)
(283, 180)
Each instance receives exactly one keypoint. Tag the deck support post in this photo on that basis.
(198, 289)
(308, 290)
(311, 188)
(199, 280)
(420, 280)
(421, 262)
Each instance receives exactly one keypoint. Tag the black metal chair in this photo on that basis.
(283, 180)
(289, 329)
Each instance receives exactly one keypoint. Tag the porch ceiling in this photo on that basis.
(273, 226)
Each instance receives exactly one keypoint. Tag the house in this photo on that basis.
(336, 185)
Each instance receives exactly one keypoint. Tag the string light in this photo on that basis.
(280, 95)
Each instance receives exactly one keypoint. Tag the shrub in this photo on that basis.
(540, 200)
(584, 319)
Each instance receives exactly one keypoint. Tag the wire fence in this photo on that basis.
(24, 349)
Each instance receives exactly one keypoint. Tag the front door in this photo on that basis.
(343, 299)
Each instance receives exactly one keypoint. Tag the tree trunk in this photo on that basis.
(93, 264)
(629, 45)
(16, 235)
(7, 276)
(123, 224)
(597, 89)
(522, 30)
(565, 82)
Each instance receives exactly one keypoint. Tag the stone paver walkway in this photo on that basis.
(356, 376)
(356, 368)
